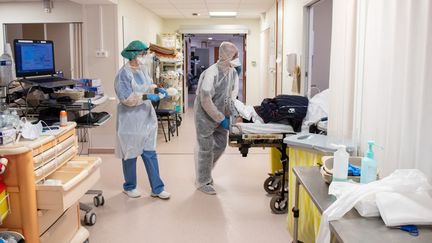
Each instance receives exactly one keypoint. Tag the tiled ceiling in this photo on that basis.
(77, 1)
(185, 8)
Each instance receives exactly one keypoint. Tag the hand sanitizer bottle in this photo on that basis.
(340, 164)
(369, 165)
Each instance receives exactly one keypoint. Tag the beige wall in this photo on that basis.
(102, 68)
(59, 34)
(253, 81)
(33, 31)
(293, 36)
(136, 23)
(139, 23)
(268, 52)
(15, 31)
(32, 12)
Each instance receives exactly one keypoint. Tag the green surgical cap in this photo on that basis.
(134, 48)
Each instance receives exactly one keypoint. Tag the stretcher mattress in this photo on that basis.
(255, 128)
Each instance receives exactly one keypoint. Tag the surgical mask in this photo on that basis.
(141, 60)
(235, 62)
(30, 131)
(145, 60)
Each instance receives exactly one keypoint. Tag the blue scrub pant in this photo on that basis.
(152, 168)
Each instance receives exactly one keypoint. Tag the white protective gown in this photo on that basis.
(136, 118)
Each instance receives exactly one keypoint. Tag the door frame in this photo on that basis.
(244, 67)
(305, 75)
(244, 64)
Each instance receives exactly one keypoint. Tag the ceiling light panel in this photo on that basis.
(222, 14)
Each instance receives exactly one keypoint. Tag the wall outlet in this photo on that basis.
(102, 53)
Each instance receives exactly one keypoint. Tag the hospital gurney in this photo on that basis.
(270, 135)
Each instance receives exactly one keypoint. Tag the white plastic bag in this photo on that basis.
(411, 208)
(30, 131)
(247, 112)
(406, 180)
(366, 207)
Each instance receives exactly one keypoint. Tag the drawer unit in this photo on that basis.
(46, 218)
(52, 165)
(68, 184)
(40, 147)
(45, 181)
(53, 152)
(65, 228)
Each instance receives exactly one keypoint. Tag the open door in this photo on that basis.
(319, 16)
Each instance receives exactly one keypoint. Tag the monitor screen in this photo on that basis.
(34, 58)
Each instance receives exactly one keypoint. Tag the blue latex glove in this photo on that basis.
(353, 171)
(225, 123)
(153, 97)
(164, 92)
(411, 229)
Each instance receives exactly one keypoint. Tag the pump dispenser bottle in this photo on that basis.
(369, 165)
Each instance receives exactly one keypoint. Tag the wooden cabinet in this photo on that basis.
(45, 179)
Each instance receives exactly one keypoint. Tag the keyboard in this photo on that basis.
(50, 82)
(47, 79)
(95, 118)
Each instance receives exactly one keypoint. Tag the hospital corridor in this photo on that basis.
(215, 121)
(239, 213)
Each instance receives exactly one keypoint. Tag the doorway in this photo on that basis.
(318, 46)
(202, 51)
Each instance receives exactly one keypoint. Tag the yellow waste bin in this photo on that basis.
(4, 203)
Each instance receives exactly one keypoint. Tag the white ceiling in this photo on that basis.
(185, 8)
(77, 1)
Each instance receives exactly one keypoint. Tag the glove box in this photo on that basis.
(66, 185)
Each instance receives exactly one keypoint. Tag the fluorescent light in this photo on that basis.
(223, 14)
(210, 38)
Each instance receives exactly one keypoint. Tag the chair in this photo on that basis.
(171, 117)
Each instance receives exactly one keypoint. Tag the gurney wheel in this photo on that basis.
(178, 121)
(272, 184)
(90, 219)
(279, 205)
(98, 201)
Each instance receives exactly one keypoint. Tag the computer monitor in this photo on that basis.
(34, 58)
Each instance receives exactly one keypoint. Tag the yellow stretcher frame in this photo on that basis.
(275, 164)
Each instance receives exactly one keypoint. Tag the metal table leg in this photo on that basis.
(295, 210)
